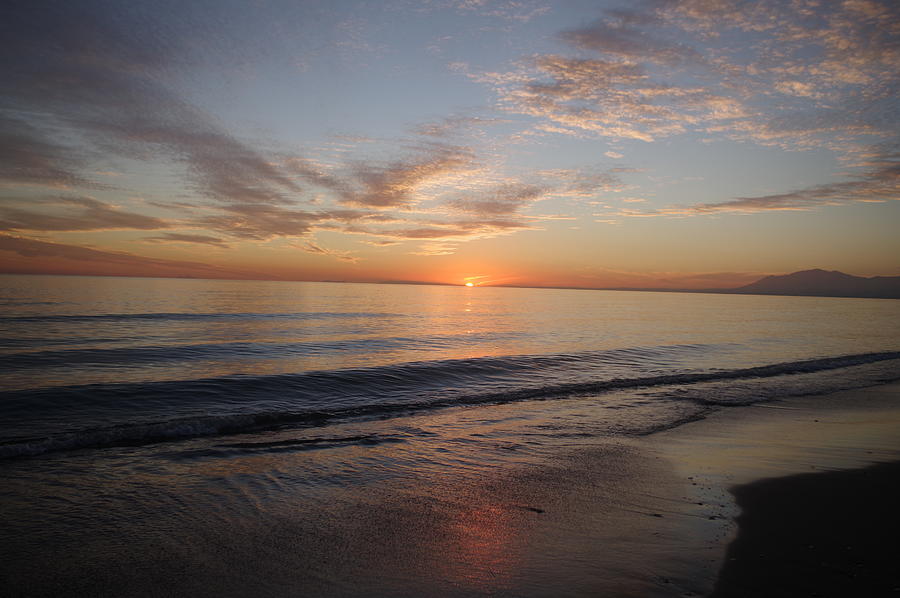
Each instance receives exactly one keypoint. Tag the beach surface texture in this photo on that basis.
(815, 482)
(649, 516)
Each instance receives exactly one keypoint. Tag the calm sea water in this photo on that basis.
(98, 361)
(125, 399)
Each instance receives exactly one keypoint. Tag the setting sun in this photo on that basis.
(470, 284)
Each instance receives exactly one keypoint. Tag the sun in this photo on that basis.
(470, 284)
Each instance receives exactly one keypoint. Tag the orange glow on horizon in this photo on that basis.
(477, 281)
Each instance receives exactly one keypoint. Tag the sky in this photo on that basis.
(656, 144)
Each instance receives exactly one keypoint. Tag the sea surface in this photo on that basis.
(133, 410)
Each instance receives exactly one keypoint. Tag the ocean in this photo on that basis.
(211, 437)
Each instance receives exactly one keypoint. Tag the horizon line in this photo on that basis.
(717, 290)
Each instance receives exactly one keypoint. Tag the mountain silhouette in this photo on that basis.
(824, 283)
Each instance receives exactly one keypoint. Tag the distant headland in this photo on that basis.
(812, 283)
(808, 283)
(825, 283)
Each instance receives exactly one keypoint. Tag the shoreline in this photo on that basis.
(583, 515)
(816, 471)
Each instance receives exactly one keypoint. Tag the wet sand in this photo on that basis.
(819, 534)
(813, 516)
(650, 516)
(591, 516)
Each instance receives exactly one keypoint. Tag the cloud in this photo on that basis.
(486, 211)
(310, 247)
(520, 11)
(789, 74)
(453, 126)
(435, 249)
(490, 210)
(580, 183)
(178, 206)
(455, 231)
(618, 37)
(434, 179)
(395, 185)
(315, 174)
(835, 72)
(96, 76)
(879, 181)
(29, 156)
(427, 232)
(43, 256)
(186, 238)
(95, 84)
(615, 99)
(261, 221)
(221, 166)
(506, 200)
(811, 79)
(384, 185)
(79, 213)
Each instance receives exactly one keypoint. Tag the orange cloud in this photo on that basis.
(58, 258)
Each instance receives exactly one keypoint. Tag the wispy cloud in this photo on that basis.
(30, 156)
(503, 201)
(315, 248)
(394, 185)
(880, 182)
(454, 126)
(625, 34)
(261, 221)
(610, 98)
(72, 213)
(810, 78)
(583, 183)
(98, 89)
(186, 238)
(79, 75)
(520, 11)
(70, 258)
(456, 230)
(94, 85)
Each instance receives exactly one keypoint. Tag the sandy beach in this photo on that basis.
(813, 516)
(820, 534)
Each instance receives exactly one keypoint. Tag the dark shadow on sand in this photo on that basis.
(819, 534)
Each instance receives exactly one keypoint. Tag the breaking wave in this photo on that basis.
(244, 404)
